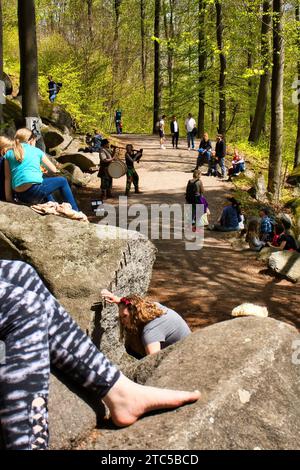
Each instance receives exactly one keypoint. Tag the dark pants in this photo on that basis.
(39, 193)
(132, 177)
(191, 140)
(37, 331)
(175, 139)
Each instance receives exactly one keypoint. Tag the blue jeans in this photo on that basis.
(191, 140)
(202, 154)
(39, 193)
(221, 162)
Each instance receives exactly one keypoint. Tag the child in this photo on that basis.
(266, 227)
(212, 166)
(252, 236)
(238, 164)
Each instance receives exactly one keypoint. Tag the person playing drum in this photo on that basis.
(132, 176)
(106, 157)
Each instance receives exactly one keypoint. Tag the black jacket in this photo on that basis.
(205, 145)
(221, 149)
(172, 127)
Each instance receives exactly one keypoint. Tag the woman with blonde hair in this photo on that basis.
(24, 176)
(5, 145)
(147, 327)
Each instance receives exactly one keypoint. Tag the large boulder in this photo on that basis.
(77, 260)
(294, 177)
(56, 116)
(84, 161)
(249, 378)
(286, 263)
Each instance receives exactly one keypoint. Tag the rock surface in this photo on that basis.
(286, 263)
(84, 161)
(77, 260)
(249, 385)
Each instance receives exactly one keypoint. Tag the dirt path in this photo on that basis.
(204, 286)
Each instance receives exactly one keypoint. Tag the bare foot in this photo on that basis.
(128, 401)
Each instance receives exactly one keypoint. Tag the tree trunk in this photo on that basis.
(90, 18)
(169, 34)
(157, 87)
(116, 39)
(297, 149)
(143, 40)
(2, 86)
(223, 67)
(258, 122)
(276, 101)
(202, 61)
(28, 58)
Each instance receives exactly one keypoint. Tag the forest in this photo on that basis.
(234, 64)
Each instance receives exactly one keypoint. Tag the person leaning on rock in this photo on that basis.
(147, 327)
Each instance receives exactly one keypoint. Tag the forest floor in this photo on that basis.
(204, 286)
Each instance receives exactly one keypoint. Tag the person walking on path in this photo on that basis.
(162, 132)
(38, 332)
(190, 125)
(175, 132)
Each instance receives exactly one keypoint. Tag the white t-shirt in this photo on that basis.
(175, 126)
(162, 125)
(190, 124)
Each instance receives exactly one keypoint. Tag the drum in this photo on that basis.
(117, 169)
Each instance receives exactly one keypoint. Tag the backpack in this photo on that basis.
(191, 192)
(2, 180)
(157, 126)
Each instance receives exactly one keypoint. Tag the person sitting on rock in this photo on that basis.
(94, 143)
(147, 327)
(24, 175)
(5, 145)
(204, 150)
(238, 164)
(266, 226)
(252, 236)
(284, 241)
(38, 332)
(230, 218)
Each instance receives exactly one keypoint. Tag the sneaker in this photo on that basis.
(163, 147)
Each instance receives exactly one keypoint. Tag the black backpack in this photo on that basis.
(191, 192)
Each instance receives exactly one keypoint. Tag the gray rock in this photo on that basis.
(249, 385)
(74, 174)
(286, 263)
(261, 189)
(294, 178)
(265, 253)
(84, 161)
(77, 260)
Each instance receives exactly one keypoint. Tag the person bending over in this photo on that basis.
(24, 175)
(37, 333)
(147, 327)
